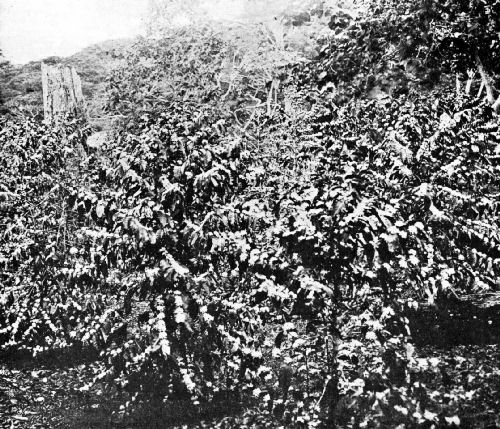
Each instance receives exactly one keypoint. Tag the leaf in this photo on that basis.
(279, 339)
(162, 217)
(446, 121)
(428, 415)
(363, 205)
(20, 418)
(455, 420)
(310, 284)
(100, 209)
(178, 268)
(298, 343)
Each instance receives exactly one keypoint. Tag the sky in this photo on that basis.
(35, 29)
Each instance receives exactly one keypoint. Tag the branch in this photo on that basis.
(486, 80)
(480, 89)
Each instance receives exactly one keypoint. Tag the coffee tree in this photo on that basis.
(205, 254)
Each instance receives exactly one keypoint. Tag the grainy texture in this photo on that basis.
(469, 319)
(62, 91)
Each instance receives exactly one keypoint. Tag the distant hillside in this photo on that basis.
(21, 86)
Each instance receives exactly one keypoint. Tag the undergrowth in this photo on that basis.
(258, 244)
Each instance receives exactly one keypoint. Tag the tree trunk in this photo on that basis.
(62, 91)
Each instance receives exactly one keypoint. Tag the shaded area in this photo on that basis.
(463, 378)
(470, 319)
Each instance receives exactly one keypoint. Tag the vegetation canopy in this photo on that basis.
(283, 214)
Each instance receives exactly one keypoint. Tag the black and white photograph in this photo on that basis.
(249, 214)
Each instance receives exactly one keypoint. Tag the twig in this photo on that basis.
(237, 120)
(250, 119)
(481, 87)
(468, 86)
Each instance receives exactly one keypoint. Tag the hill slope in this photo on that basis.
(21, 85)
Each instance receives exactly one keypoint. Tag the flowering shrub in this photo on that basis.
(276, 259)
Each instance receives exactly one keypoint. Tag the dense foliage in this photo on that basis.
(208, 254)
(398, 45)
(39, 165)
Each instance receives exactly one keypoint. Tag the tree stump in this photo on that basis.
(62, 91)
(469, 319)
